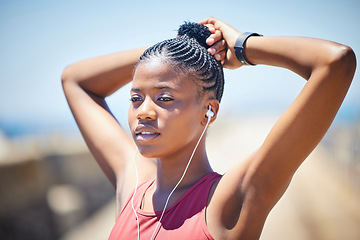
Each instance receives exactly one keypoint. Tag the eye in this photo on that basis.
(135, 99)
(165, 99)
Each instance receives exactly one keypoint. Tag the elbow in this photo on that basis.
(345, 56)
(71, 74)
(343, 61)
(66, 75)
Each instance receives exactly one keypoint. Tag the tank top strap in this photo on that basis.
(140, 192)
(202, 188)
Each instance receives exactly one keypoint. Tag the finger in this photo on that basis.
(217, 47)
(204, 21)
(209, 20)
(220, 56)
(216, 23)
(213, 38)
(210, 27)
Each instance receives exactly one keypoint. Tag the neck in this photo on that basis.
(171, 168)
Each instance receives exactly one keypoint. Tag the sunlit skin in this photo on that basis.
(166, 119)
(165, 104)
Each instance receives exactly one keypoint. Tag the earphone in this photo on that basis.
(209, 114)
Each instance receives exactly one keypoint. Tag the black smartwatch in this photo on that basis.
(239, 47)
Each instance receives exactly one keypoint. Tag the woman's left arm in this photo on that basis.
(328, 68)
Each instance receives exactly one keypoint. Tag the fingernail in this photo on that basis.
(217, 56)
(211, 50)
(210, 41)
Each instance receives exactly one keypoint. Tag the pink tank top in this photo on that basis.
(183, 220)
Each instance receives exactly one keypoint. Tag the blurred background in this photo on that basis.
(51, 188)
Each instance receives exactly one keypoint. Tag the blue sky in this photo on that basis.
(39, 38)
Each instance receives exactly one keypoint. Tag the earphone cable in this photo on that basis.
(133, 196)
(182, 177)
(173, 190)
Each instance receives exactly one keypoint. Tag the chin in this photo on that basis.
(152, 151)
(148, 152)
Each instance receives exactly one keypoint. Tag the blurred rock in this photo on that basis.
(48, 185)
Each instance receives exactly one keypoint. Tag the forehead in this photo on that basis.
(156, 73)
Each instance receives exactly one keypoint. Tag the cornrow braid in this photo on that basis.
(189, 53)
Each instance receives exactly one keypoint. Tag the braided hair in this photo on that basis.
(188, 53)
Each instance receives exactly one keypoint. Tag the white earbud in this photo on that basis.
(209, 113)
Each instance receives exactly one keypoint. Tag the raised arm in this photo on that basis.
(259, 183)
(328, 68)
(86, 84)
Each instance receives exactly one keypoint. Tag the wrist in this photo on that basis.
(240, 47)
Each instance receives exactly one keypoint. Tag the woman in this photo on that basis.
(174, 86)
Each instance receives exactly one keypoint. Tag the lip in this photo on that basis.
(146, 133)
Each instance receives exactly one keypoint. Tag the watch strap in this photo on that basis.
(239, 47)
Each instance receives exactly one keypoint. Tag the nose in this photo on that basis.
(146, 110)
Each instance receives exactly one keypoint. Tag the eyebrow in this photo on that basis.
(160, 87)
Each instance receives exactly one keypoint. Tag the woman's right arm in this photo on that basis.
(86, 84)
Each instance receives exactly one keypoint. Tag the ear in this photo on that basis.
(214, 108)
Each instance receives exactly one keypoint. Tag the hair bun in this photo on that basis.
(196, 31)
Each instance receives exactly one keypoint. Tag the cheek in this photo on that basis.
(183, 127)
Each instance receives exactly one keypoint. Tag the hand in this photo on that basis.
(222, 42)
(217, 44)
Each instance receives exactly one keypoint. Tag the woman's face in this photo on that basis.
(165, 114)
